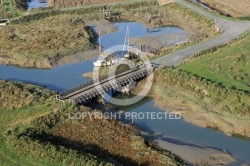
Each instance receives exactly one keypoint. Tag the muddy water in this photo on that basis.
(69, 75)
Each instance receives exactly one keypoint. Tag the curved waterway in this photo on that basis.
(182, 133)
(69, 75)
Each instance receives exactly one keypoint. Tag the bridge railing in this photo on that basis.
(120, 82)
(79, 87)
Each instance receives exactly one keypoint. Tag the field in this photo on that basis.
(37, 128)
(228, 66)
(56, 36)
(233, 8)
(75, 3)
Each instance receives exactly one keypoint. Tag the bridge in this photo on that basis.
(99, 87)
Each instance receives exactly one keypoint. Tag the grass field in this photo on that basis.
(233, 8)
(52, 37)
(75, 3)
(11, 9)
(229, 65)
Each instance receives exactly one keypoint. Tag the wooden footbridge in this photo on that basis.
(98, 88)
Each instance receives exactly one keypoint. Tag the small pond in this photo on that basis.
(32, 4)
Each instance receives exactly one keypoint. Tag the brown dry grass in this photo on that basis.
(108, 137)
(52, 37)
(234, 8)
(75, 3)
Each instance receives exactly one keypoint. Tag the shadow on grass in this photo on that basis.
(82, 148)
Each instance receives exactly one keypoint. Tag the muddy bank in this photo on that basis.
(193, 114)
(229, 126)
(103, 26)
(197, 112)
(6, 60)
(48, 63)
(191, 152)
(162, 42)
(197, 154)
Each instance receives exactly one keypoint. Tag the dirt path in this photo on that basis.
(230, 30)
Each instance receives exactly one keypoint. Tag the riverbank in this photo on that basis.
(202, 103)
(170, 99)
(103, 26)
(193, 153)
(229, 125)
(33, 131)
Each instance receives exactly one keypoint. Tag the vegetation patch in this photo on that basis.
(17, 95)
(232, 8)
(21, 4)
(43, 134)
(108, 140)
(55, 37)
(12, 8)
(228, 65)
(229, 106)
(3, 12)
(75, 3)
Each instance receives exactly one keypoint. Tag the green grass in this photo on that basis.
(223, 104)
(9, 7)
(17, 118)
(28, 134)
(229, 65)
(17, 121)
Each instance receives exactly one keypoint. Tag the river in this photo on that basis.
(70, 75)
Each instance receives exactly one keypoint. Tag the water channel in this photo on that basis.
(70, 75)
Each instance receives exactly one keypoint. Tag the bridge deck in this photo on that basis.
(92, 89)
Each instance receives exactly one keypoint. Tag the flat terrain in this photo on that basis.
(229, 65)
(56, 36)
(234, 8)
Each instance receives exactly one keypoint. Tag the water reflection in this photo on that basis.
(37, 3)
